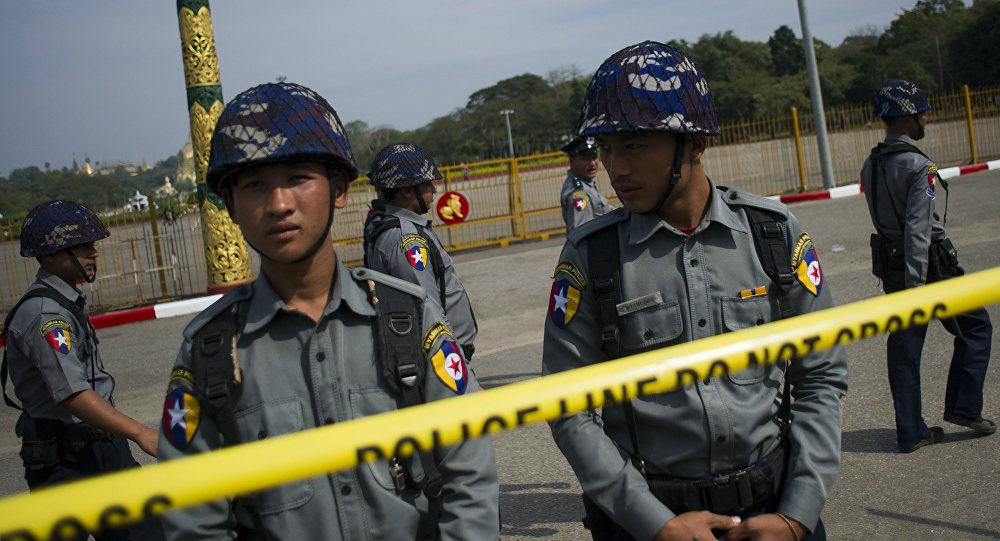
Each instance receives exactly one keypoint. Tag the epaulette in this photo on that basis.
(733, 196)
(605, 220)
(362, 274)
(237, 294)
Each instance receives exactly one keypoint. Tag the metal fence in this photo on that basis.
(518, 199)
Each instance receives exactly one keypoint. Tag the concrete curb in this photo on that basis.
(192, 306)
(855, 189)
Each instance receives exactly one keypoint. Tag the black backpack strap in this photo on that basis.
(437, 265)
(48, 293)
(770, 239)
(604, 266)
(217, 375)
(399, 322)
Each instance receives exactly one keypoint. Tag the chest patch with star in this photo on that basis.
(58, 334)
(449, 366)
(563, 301)
(415, 251)
(181, 414)
(805, 263)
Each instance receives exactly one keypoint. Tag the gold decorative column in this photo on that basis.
(225, 252)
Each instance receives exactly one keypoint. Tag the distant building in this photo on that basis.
(137, 202)
(87, 169)
(186, 176)
(167, 190)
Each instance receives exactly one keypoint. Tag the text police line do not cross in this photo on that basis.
(61, 512)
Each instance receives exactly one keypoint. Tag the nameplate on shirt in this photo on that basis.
(634, 305)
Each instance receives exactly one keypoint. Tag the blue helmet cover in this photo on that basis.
(402, 165)
(56, 225)
(900, 98)
(276, 122)
(648, 87)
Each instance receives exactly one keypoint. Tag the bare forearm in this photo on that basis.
(97, 412)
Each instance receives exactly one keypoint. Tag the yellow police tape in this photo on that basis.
(124, 497)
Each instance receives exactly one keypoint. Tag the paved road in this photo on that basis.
(941, 492)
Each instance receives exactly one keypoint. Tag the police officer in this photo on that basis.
(399, 240)
(686, 259)
(911, 248)
(309, 344)
(581, 199)
(69, 427)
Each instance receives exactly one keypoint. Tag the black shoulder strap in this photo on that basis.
(770, 239)
(48, 293)
(604, 266)
(437, 265)
(217, 373)
(878, 170)
(399, 318)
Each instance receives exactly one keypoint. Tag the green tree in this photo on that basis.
(787, 55)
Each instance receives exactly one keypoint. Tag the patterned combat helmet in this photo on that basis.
(276, 122)
(900, 98)
(648, 87)
(56, 225)
(402, 165)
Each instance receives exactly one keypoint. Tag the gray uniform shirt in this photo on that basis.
(907, 188)
(581, 201)
(49, 359)
(403, 253)
(299, 375)
(687, 288)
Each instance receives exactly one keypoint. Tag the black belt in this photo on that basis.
(729, 493)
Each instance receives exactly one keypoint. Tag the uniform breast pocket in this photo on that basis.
(266, 420)
(739, 314)
(652, 326)
(365, 402)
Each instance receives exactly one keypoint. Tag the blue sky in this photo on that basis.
(105, 78)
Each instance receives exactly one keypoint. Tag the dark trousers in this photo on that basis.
(819, 534)
(102, 456)
(966, 376)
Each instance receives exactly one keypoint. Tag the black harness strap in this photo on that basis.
(48, 293)
(399, 322)
(880, 150)
(604, 265)
(770, 241)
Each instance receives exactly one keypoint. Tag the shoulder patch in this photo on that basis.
(932, 176)
(572, 271)
(610, 219)
(362, 274)
(414, 248)
(805, 263)
(232, 296)
(563, 302)
(57, 333)
(437, 330)
(449, 367)
(181, 416)
(580, 201)
(182, 374)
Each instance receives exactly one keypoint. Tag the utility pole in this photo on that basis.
(510, 140)
(937, 49)
(819, 117)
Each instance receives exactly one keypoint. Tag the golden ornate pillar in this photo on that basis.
(225, 252)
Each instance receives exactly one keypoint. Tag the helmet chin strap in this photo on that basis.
(421, 204)
(79, 267)
(674, 176)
